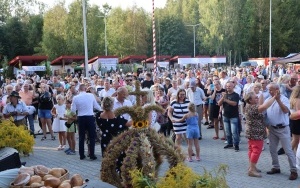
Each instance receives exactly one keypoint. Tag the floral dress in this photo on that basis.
(255, 127)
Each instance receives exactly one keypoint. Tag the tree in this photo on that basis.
(34, 29)
(18, 8)
(127, 31)
(55, 32)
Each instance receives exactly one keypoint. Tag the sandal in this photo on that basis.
(53, 138)
(215, 137)
(223, 138)
(43, 138)
(197, 158)
(189, 159)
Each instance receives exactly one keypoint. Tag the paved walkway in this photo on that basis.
(212, 154)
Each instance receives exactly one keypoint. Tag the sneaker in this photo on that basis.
(228, 146)
(71, 152)
(236, 148)
(67, 150)
(226, 142)
(210, 127)
(206, 123)
(60, 147)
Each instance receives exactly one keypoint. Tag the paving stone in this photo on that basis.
(211, 152)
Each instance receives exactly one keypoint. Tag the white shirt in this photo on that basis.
(224, 81)
(103, 93)
(238, 90)
(173, 91)
(20, 108)
(196, 97)
(118, 104)
(84, 103)
(274, 113)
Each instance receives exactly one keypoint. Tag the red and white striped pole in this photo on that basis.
(154, 40)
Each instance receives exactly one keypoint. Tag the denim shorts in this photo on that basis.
(44, 114)
(192, 133)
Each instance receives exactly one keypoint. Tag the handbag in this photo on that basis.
(68, 125)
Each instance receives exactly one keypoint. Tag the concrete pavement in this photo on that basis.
(212, 154)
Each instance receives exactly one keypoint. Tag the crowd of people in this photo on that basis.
(230, 100)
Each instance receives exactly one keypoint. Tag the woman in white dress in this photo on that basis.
(58, 112)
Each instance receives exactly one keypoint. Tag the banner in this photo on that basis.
(107, 63)
(34, 68)
(163, 64)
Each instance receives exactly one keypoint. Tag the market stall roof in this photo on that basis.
(132, 59)
(294, 58)
(158, 58)
(100, 57)
(27, 60)
(175, 58)
(67, 60)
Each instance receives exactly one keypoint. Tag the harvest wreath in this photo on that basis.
(142, 146)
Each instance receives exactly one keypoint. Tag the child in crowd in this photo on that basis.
(58, 124)
(192, 131)
(70, 119)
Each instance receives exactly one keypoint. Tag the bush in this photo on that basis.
(15, 137)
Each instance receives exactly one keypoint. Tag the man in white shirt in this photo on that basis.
(223, 79)
(120, 100)
(107, 91)
(172, 92)
(84, 103)
(279, 131)
(196, 95)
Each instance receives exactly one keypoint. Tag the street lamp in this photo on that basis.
(85, 38)
(270, 42)
(105, 42)
(194, 28)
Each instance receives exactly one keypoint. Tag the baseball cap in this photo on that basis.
(260, 76)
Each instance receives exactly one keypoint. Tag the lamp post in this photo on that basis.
(105, 41)
(270, 41)
(85, 38)
(194, 29)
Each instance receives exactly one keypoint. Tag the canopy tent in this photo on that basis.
(92, 60)
(66, 60)
(20, 61)
(132, 59)
(292, 58)
(158, 58)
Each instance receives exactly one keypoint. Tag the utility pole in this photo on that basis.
(85, 38)
(194, 30)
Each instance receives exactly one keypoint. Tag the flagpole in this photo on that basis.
(154, 40)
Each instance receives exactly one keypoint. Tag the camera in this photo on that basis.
(37, 85)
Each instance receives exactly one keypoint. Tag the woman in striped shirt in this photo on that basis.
(177, 109)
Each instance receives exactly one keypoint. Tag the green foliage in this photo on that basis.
(182, 176)
(237, 26)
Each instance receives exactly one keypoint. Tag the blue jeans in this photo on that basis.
(232, 130)
(31, 122)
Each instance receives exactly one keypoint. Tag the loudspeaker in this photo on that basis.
(9, 159)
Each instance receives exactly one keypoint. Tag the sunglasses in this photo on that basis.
(129, 80)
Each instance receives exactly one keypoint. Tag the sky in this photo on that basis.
(146, 4)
